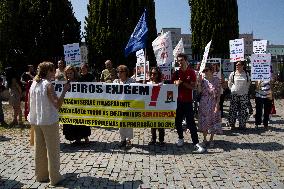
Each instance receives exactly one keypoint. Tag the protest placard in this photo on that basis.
(163, 50)
(228, 67)
(72, 54)
(216, 61)
(259, 47)
(237, 50)
(261, 67)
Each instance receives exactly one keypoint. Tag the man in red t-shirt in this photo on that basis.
(185, 79)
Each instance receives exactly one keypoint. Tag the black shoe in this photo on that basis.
(162, 144)
(152, 142)
(122, 144)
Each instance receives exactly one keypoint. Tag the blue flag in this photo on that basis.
(138, 38)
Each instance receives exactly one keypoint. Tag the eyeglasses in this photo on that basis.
(238, 65)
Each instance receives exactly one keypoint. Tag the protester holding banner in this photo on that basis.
(43, 116)
(263, 103)
(59, 74)
(239, 83)
(156, 78)
(185, 79)
(126, 134)
(209, 116)
(108, 74)
(85, 76)
(74, 132)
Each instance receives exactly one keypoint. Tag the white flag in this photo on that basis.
(163, 50)
(205, 56)
(179, 48)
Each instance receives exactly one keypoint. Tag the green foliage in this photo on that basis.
(35, 30)
(216, 20)
(109, 25)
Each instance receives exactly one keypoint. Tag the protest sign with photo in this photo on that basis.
(228, 67)
(216, 61)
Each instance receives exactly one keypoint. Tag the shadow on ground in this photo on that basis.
(75, 181)
(7, 184)
(265, 146)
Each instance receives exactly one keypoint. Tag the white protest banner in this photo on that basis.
(216, 61)
(261, 67)
(113, 105)
(72, 54)
(259, 47)
(163, 50)
(179, 48)
(205, 56)
(237, 50)
(228, 67)
(166, 73)
(140, 65)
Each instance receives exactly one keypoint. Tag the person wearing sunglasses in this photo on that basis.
(239, 83)
(209, 115)
(156, 78)
(126, 134)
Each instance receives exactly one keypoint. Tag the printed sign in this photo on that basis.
(259, 47)
(113, 105)
(228, 67)
(140, 65)
(163, 50)
(237, 50)
(72, 54)
(216, 61)
(261, 67)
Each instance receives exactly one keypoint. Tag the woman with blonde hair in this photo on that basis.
(43, 117)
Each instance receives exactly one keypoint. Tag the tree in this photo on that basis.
(35, 30)
(216, 20)
(109, 25)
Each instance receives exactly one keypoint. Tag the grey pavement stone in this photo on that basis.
(240, 159)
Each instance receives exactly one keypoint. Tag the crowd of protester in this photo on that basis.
(200, 92)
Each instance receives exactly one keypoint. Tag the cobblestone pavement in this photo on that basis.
(240, 159)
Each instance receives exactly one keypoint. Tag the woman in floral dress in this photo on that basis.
(209, 116)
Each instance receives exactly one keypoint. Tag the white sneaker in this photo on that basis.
(199, 149)
(180, 142)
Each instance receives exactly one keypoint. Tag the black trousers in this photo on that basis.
(161, 134)
(262, 108)
(185, 109)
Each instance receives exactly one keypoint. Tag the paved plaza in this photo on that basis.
(240, 159)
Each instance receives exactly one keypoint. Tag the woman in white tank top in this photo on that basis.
(43, 116)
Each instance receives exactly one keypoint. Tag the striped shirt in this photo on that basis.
(263, 89)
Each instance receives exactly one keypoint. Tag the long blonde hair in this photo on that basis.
(43, 69)
(76, 75)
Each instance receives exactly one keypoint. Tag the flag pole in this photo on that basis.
(145, 71)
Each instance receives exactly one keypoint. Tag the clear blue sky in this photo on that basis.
(265, 18)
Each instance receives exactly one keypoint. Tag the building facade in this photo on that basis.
(176, 35)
